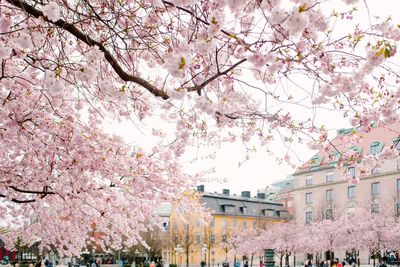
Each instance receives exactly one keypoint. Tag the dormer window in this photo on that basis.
(316, 161)
(334, 158)
(268, 212)
(229, 208)
(244, 210)
(375, 148)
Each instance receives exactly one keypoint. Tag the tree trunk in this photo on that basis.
(187, 258)
(251, 260)
(209, 257)
(280, 260)
(287, 259)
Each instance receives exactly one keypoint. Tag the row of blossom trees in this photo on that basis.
(361, 230)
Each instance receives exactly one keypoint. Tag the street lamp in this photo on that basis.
(204, 250)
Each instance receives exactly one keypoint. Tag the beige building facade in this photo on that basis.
(192, 240)
(320, 191)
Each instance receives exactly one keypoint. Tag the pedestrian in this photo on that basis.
(309, 264)
(246, 264)
(152, 264)
(261, 264)
(339, 264)
(237, 264)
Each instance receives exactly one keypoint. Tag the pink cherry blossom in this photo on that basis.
(51, 11)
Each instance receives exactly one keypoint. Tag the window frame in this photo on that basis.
(351, 171)
(375, 188)
(309, 180)
(374, 149)
(329, 195)
(331, 175)
(308, 217)
(308, 198)
(352, 189)
(212, 239)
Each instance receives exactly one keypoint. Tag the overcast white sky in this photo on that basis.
(261, 169)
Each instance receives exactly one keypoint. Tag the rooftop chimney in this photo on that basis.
(261, 195)
(245, 193)
(225, 192)
(200, 188)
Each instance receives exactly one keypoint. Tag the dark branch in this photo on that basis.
(215, 76)
(91, 42)
(19, 201)
(44, 192)
(109, 57)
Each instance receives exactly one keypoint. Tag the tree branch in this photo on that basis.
(215, 76)
(91, 42)
(44, 192)
(18, 200)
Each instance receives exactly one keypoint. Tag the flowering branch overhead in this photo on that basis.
(207, 72)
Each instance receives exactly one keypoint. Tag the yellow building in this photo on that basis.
(192, 240)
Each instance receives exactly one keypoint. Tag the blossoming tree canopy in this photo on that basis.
(67, 66)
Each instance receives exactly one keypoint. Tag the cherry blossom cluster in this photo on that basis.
(210, 69)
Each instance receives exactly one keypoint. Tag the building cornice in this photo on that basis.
(321, 168)
(369, 177)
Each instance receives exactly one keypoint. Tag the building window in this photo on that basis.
(244, 225)
(309, 180)
(254, 225)
(243, 210)
(212, 222)
(329, 195)
(329, 177)
(329, 214)
(229, 209)
(374, 208)
(396, 143)
(186, 239)
(308, 217)
(268, 213)
(351, 171)
(197, 224)
(375, 171)
(398, 184)
(374, 148)
(316, 161)
(308, 198)
(197, 239)
(375, 188)
(212, 239)
(289, 204)
(398, 209)
(351, 191)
